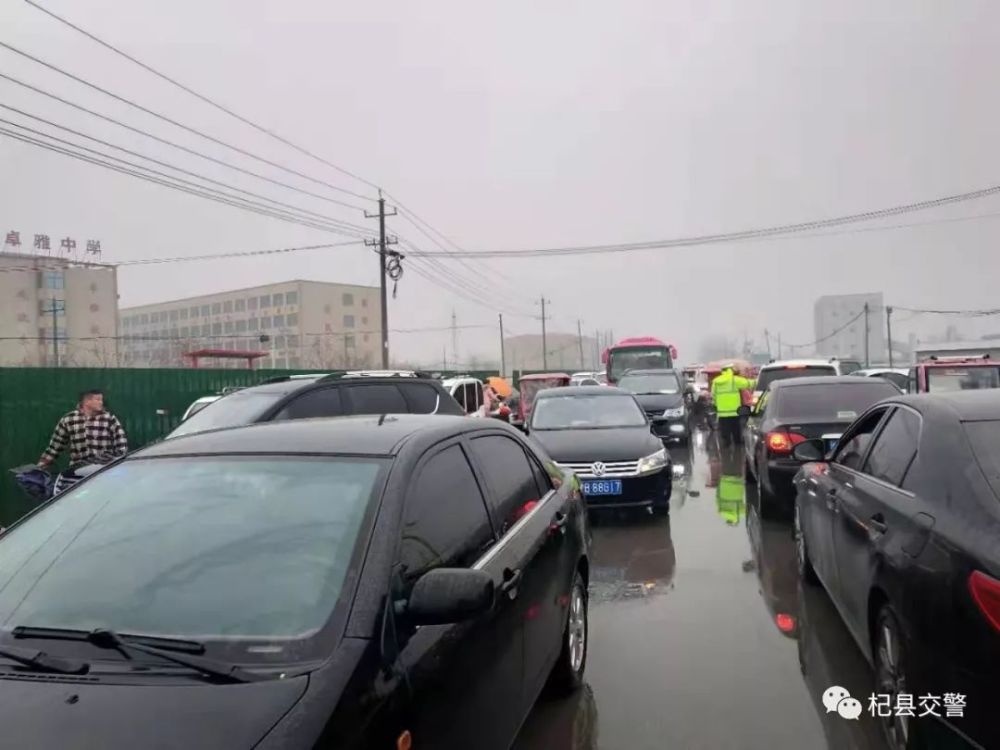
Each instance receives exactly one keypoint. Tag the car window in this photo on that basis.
(836, 401)
(472, 398)
(775, 374)
(951, 379)
(851, 449)
(323, 402)
(266, 557)
(894, 448)
(512, 485)
(985, 440)
(583, 411)
(911, 381)
(898, 379)
(421, 398)
(376, 398)
(445, 522)
(238, 408)
(847, 366)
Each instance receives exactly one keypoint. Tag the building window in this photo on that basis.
(144, 320)
(54, 280)
(349, 342)
(241, 305)
(154, 317)
(184, 313)
(52, 307)
(229, 326)
(205, 311)
(292, 341)
(364, 321)
(279, 342)
(253, 324)
(241, 326)
(194, 311)
(348, 299)
(265, 300)
(185, 332)
(252, 303)
(216, 308)
(291, 298)
(277, 300)
(365, 338)
(227, 306)
(279, 321)
(364, 302)
(216, 329)
(174, 315)
(292, 319)
(348, 321)
(94, 307)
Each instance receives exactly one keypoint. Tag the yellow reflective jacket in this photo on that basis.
(726, 393)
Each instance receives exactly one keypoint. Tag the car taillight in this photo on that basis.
(785, 623)
(782, 442)
(986, 593)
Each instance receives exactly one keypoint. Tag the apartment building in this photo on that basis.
(57, 312)
(295, 324)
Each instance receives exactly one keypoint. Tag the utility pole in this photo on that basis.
(545, 343)
(503, 358)
(454, 337)
(779, 344)
(597, 349)
(767, 341)
(888, 330)
(382, 242)
(579, 341)
(867, 332)
(55, 307)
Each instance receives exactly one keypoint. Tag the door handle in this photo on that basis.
(511, 578)
(877, 524)
(559, 519)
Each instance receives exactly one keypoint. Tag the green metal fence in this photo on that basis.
(33, 399)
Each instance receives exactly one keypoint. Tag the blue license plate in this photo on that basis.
(602, 487)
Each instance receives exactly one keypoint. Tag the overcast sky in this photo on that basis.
(528, 124)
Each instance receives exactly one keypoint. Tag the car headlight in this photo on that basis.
(653, 462)
(674, 413)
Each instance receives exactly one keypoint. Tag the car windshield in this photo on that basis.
(238, 408)
(228, 548)
(586, 411)
(847, 366)
(837, 402)
(946, 379)
(651, 383)
(985, 440)
(639, 358)
(774, 374)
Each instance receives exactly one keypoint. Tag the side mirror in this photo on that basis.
(810, 450)
(447, 595)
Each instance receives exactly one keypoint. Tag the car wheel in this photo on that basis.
(764, 498)
(891, 678)
(567, 675)
(747, 471)
(806, 571)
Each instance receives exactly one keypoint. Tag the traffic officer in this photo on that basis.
(728, 403)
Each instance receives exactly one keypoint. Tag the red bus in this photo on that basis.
(637, 353)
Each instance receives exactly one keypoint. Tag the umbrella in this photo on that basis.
(500, 386)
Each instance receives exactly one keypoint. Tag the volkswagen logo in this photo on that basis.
(598, 468)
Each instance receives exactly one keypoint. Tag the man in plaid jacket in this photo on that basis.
(91, 434)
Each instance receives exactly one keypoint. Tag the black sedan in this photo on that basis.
(349, 583)
(662, 394)
(901, 524)
(796, 410)
(602, 435)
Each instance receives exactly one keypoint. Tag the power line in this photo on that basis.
(204, 98)
(176, 123)
(179, 258)
(829, 335)
(746, 234)
(172, 144)
(203, 193)
(313, 215)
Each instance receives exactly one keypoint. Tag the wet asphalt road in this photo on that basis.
(701, 634)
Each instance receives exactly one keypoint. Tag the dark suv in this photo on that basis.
(334, 395)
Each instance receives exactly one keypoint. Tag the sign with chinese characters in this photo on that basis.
(43, 243)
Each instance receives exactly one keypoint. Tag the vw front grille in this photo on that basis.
(612, 469)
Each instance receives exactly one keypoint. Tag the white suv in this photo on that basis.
(801, 368)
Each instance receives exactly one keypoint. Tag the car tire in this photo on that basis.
(567, 674)
(891, 667)
(748, 474)
(806, 571)
(764, 498)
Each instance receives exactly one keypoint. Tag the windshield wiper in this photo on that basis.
(178, 651)
(43, 662)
